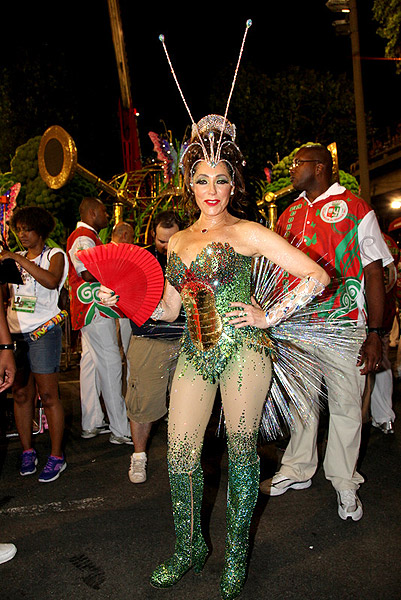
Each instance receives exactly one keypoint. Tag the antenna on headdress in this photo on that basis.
(217, 155)
(161, 38)
(248, 25)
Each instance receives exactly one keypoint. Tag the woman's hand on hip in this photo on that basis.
(247, 315)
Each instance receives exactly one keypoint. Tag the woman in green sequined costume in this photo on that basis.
(209, 272)
(225, 343)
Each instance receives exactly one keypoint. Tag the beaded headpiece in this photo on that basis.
(204, 130)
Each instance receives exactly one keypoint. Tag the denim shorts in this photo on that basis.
(41, 355)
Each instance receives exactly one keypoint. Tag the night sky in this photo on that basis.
(201, 41)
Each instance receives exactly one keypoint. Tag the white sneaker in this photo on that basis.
(137, 469)
(87, 434)
(7, 552)
(123, 439)
(349, 505)
(279, 484)
(386, 427)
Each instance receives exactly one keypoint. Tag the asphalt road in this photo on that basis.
(94, 535)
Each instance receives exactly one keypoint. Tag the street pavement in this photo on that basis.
(92, 534)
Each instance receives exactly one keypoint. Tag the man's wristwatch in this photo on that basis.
(379, 330)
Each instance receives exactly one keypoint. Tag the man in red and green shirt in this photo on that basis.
(340, 231)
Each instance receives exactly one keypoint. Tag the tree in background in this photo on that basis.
(35, 92)
(388, 14)
(275, 114)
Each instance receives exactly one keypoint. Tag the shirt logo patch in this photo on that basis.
(334, 211)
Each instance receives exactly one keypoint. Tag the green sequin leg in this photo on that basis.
(190, 547)
(243, 484)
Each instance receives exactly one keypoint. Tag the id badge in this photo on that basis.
(24, 303)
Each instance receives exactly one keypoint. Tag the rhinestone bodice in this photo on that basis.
(217, 277)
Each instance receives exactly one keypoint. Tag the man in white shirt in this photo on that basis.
(100, 367)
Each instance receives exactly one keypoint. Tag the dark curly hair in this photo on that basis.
(239, 204)
(36, 218)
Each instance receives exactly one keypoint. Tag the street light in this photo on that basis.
(349, 26)
(338, 5)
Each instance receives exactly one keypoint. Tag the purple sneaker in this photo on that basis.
(28, 462)
(53, 468)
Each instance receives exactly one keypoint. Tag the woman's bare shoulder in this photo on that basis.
(173, 241)
(254, 239)
(177, 240)
(253, 228)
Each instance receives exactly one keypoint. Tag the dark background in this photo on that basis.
(72, 42)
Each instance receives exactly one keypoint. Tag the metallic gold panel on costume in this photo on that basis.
(204, 322)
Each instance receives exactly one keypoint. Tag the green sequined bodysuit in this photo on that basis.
(217, 277)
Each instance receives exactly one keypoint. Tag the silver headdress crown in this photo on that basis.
(211, 123)
(214, 122)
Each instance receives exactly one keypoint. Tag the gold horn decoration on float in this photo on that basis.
(334, 155)
(58, 163)
(269, 202)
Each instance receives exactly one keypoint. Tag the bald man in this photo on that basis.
(100, 366)
(123, 233)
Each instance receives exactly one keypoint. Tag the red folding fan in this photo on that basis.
(132, 272)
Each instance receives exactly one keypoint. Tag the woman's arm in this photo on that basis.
(169, 306)
(50, 278)
(264, 242)
(313, 280)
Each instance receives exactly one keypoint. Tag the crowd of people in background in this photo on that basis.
(139, 396)
(133, 398)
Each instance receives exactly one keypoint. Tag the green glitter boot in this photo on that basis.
(190, 547)
(243, 486)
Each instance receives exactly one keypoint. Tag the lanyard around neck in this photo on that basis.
(39, 263)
